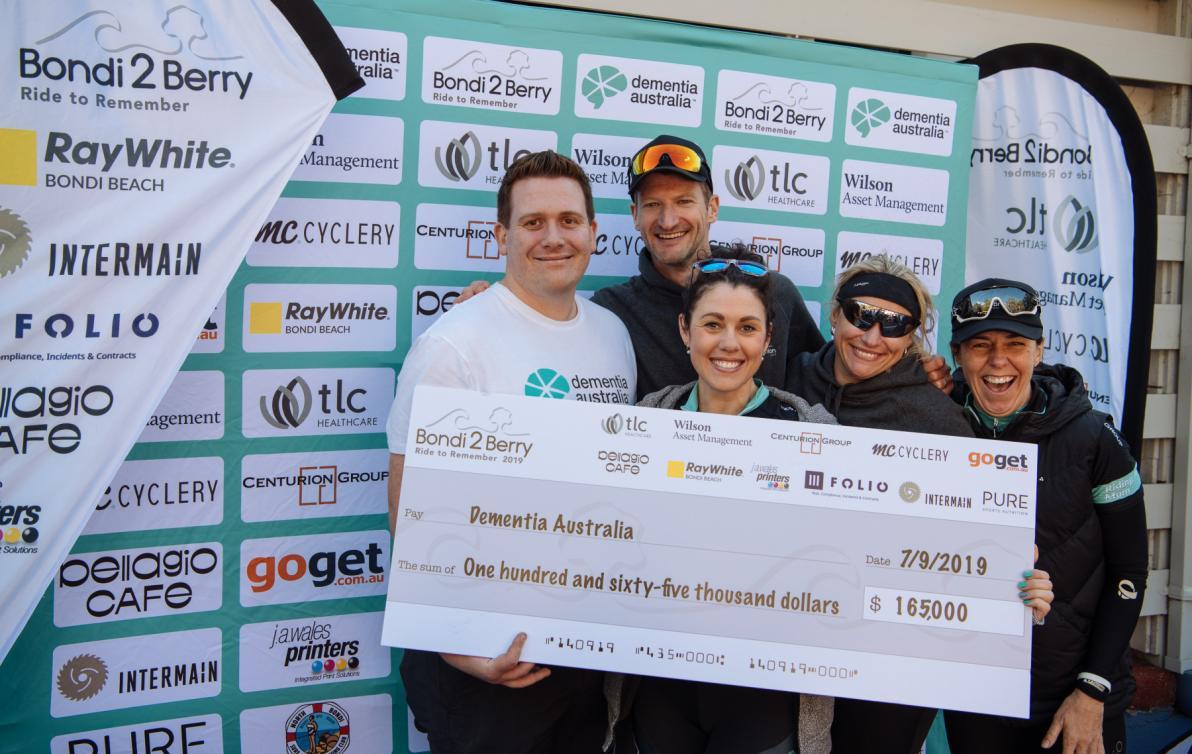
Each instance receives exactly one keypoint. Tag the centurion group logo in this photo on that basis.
(456, 237)
(641, 91)
(781, 181)
(284, 486)
(797, 253)
(474, 156)
(467, 73)
(776, 106)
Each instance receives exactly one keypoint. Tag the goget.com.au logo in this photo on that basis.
(317, 567)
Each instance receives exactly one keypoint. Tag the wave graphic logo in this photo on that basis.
(746, 181)
(288, 409)
(460, 160)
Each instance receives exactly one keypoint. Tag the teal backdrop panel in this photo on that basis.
(229, 589)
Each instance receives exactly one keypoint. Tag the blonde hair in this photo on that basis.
(884, 264)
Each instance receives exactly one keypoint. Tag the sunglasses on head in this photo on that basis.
(864, 316)
(684, 158)
(752, 269)
(979, 304)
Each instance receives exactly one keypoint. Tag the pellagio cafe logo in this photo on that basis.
(82, 677)
(460, 159)
(601, 84)
(15, 239)
(289, 406)
(747, 180)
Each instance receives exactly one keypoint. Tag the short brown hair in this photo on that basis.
(544, 164)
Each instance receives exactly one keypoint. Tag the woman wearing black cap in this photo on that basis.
(1090, 527)
(869, 375)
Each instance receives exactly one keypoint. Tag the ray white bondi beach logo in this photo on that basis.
(640, 91)
(467, 73)
(775, 106)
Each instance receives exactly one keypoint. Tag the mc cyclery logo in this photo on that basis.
(1075, 226)
(546, 383)
(81, 677)
(289, 405)
(459, 160)
(869, 114)
(747, 180)
(601, 84)
(15, 242)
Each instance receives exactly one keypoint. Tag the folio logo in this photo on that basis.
(746, 181)
(287, 409)
(316, 567)
(459, 165)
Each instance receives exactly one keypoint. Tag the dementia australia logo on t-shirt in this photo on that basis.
(549, 383)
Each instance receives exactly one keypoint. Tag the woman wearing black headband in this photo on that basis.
(869, 375)
(1090, 526)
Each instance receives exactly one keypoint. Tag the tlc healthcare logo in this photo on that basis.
(282, 570)
(467, 73)
(284, 402)
(901, 122)
(1071, 221)
(473, 156)
(638, 91)
(290, 318)
(780, 181)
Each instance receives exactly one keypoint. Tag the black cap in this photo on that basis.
(704, 173)
(1026, 325)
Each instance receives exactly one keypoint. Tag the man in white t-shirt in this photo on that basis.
(535, 337)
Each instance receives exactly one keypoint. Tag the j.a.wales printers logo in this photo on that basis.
(641, 91)
(474, 156)
(1047, 145)
(781, 181)
(319, 728)
(286, 654)
(17, 529)
(380, 58)
(902, 122)
(127, 61)
(776, 106)
(15, 239)
(770, 477)
(467, 73)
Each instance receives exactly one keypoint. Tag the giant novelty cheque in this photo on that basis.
(833, 560)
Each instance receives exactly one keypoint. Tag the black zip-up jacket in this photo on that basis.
(650, 305)
(1090, 526)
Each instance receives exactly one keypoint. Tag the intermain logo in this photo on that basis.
(460, 160)
(1074, 226)
(746, 181)
(15, 241)
(290, 405)
(82, 677)
(601, 84)
(868, 115)
(546, 383)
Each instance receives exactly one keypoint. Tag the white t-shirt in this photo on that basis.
(495, 343)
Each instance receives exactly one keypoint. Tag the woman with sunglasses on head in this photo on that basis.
(726, 323)
(1090, 527)
(869, 375)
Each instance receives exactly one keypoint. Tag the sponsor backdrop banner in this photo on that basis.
(230, 583)
(1062, 196)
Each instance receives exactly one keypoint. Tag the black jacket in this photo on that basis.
(1088, 549)
(900, 398)
(650, 305)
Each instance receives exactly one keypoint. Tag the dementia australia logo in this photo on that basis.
(15, 242)
(868, 115)
(546, 383)
(601, 84)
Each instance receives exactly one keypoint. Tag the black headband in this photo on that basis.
(882, 285)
